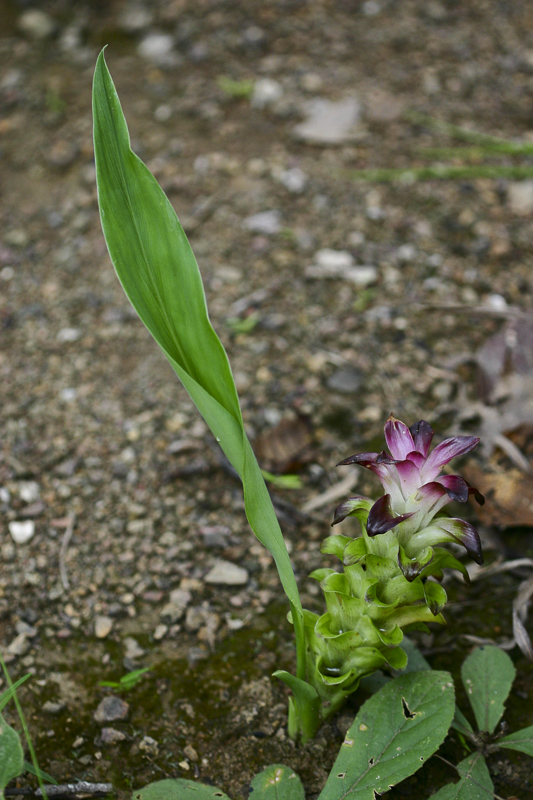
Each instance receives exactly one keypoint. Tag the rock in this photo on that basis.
(133, 648)
(29, 491)
(266, 92)
(19, 646)
(520, 198)
(135, 18)
(111, 736)
(406, 253)
(329, 123)
(340, 264)
(53, 707)
(345, 381)
(225, 573)
(111, 708)
(190, 752)
(158, 48)
(68, 335)
(149, 746)
(160, 632)
(36, 24)
(22, 532)
(102, 626)
(295, 179)
(175, 608)
(266, 222)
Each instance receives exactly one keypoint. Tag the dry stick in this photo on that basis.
(65, 790)
(67, 536)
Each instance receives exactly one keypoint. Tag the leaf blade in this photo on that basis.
(379, 749)
(277, 782)
(488, 674)
(519, 740)
(475, 783)
(178, 789)
(11, 754)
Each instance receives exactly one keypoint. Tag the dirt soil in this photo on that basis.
(108, 469)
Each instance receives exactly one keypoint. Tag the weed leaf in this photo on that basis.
(178, 789)
(488, 674)
(393, 735)
(6, 696)
(11, 755)
(277, 782)
(519, 740)
(475, 783)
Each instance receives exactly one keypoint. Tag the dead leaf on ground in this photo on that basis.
(285, 447)
(509, 496)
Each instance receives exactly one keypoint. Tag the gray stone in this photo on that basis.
(135, 18)
(227, 574)
(520, 198)
(36, 24)
(29, 491)
(329, 123)
(266, 222)
(345, 381)
(53, 707)
(158, 48)
(295, 179)
(133, 648)
(149, 746)
(19, 646)
(111, 708)
(111, 736)
(102, 626)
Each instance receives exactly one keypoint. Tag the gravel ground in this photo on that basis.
(123, 539)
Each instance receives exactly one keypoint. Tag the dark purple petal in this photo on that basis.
(417, 458)
(448, 449)
(398, 438)
(477, 494)
(409, 477)
(380, 517)
(456, 487)
(422, 434)
(360, 458)
(464, 533)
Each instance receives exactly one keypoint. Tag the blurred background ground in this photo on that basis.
(338, 302)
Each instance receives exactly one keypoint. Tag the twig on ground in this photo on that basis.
(332, 493)
(67, 536)
(65, 790)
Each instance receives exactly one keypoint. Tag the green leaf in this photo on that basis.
(39, 773)
(475, 783)
(392, 736)
(6, 696)
(159, 274)
(520, 740)
(178, 789)
(277, 782)
(11, 754)
(461, 724)
(488, 674)
(416, 662)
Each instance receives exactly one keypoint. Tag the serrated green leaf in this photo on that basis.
(519, 740)
(11, 754)
(392, 736)
(178, 789)
(488, 674)
(159, 274)
(475, 783)
(277, 782)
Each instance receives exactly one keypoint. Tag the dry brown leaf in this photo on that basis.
(285, 447)
(509, 496)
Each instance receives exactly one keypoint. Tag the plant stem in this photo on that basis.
(442, 172)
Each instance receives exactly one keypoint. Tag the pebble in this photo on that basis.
(329, 123)
(135, 18)
(266, 92)
(133, 648)
(149, 746)
(22, 532)
(111, 708)
(345, 381)
(102, 626)
(266, 222)
(340, 264)
(19, 646)
(175, 608)
(227, 574)
(68, 335)
(29, 491)
(295, 179)
(520, 198)
(160, 632)
(190, 752)
(36, 24)
(111, 736)
(406, 253)
(53, 707)
(159, 49)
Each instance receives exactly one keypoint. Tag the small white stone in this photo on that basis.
(22, 532)
(68, 395)
(333, 259)
(68, 335)
(159, 49)
(329, 123)
(295, 179)
(29, 491)
(36, 24)
(160, 632)
(496, 301)
(266, 91)
(520, 196)
(227, 574)
(267, 222)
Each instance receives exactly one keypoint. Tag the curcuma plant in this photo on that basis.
(386, 585)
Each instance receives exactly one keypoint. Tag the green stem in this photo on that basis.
(25, 729)
(495, 143)
(299, 635)
(441, 172)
